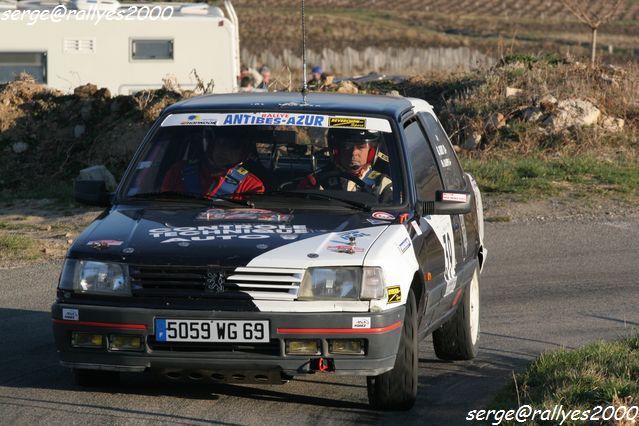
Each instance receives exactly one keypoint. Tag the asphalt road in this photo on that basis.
(545, 286)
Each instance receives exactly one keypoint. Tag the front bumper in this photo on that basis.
(215, 360)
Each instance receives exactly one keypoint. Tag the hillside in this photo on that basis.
(490, 26)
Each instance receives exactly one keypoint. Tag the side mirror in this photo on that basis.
(448, 202)
(91, 192)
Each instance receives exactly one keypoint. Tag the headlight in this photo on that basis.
(87, 276)
(342, 283)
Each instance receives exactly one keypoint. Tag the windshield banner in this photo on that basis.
(277, 119)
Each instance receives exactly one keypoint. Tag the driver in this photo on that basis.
(220, 173)
(354, 152)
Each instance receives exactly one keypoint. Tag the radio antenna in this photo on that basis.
(304, 85)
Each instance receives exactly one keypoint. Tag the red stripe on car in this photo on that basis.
(101, 324)
(339, 330)
(457, 296)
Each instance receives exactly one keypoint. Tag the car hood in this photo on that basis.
(230, 237)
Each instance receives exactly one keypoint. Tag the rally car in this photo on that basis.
(254, 238)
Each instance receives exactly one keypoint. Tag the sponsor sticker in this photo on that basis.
(382, 156)
(383, 216)
(416, 227)
(452, 196)
(377, 222)
(394, 294)
(311, 120)
(257, 215)
(276, 119)
(404, 245)
(198, 120)
(361, 322)
(441, 149)
(442, 226)
(356, 123)
(227, 232)
(70, 314)
(103, 244)
(446, 162)
(450, 286)
(346, 236)
(344, 248)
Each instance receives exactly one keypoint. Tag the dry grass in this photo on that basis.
(17, 247)
(602, 373)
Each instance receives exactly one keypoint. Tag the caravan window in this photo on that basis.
(151, 49)
(13, 63)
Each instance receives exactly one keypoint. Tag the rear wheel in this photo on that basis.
(96, 378)
(397, 389)
(458, 338)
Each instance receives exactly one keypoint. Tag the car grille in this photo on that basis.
(210, 282)
(271, 348)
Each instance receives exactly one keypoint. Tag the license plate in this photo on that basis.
(193, 330)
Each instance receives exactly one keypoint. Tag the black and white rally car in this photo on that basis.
(312, 268)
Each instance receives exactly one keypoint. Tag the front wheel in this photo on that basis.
(458, 338)
(397, 389)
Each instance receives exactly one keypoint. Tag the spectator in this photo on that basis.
(246, 84)
(265, 72)
(318, 78)
(256, 77)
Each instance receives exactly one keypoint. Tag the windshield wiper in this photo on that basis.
(177, 195)
(170, 195)
(235, 200)
(316, 195)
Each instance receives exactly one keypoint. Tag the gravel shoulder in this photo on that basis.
(503, 208)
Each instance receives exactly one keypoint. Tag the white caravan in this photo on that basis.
(150, 42)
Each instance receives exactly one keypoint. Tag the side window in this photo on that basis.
(13, 63)
(426, 176)
(151, 49)
(448, 163)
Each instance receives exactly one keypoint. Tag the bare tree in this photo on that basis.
(582, 9)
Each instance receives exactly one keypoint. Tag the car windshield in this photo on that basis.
(261, 156)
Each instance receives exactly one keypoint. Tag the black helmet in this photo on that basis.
(341, 138)
(353, 136)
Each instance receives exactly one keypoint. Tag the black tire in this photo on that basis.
(397, 389)
(96, 378)
(456, 339)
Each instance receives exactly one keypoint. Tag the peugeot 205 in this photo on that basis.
(254, 238)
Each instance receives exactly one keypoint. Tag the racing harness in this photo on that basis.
(232, 180)
(371, 178)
